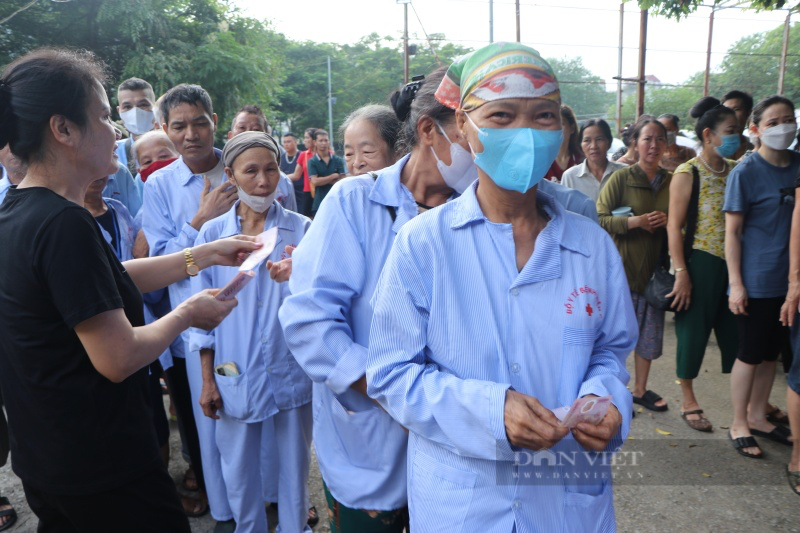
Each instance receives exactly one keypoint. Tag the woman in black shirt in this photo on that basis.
(74, 349)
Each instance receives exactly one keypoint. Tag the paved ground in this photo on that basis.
(684, 481)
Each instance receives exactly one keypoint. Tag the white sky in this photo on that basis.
(568, 28)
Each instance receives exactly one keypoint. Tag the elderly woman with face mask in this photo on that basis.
(326, 320)
(251, 383)
(493, 311)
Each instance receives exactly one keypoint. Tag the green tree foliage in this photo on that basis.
(581, 89)
(163, 41)
(751, 64)
(681, 8)
(362, 73)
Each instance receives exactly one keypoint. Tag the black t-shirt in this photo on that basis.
(72, 430)
(288, 166)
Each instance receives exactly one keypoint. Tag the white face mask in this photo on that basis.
(779, 137)
(138, 121)
(259, 204)
(462, 171)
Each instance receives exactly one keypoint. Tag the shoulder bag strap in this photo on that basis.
(691, 214)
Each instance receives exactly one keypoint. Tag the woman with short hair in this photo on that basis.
(758, 215)
(570, 153)
(326, 319)
(675, 154)
(590, 176)
(73, 344)
(633, 207)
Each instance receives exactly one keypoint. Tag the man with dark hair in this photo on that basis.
(324, 169)
(301, 170)
(742, 105)
(136, 102)
(178, 200)
(248, 118)
(288, 164)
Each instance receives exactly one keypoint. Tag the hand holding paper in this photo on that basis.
(249, 267)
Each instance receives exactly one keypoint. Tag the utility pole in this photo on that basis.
(619, 70)
(518, 37)
(491, 21)
(642, 55)
(405, 38)
(708, 51)
(782, 73)
(330, 103)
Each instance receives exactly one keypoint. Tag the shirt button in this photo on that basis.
(515, 368)
(517, 504)
(514, 291)
(263, 340)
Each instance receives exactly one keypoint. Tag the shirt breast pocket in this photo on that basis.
(576, 352)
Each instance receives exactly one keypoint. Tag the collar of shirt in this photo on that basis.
(556, 233)
(584, 171)
(275, 217)
(5, 183)
(388, 189)
(183, 171)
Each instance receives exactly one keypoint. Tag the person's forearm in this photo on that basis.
(675, 243)
(133, 348)
(794, 244)
(323, 180)
(152, 273)
(733, 257)
(207, 364)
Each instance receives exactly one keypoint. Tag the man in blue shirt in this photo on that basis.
(178, 200)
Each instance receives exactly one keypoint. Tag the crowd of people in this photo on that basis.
(475, 263)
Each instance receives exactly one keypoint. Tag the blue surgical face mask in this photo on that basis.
(730, 143)
(517, 158)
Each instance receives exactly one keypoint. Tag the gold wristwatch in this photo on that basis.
(191, 267)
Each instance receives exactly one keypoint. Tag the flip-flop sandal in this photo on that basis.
(746, 442)
(189, 511)
(794, 479)
(190, 480)
(10, 513)
(701, 424)
(313, 517)
(648, 401)
(780, 435)
(777, 416)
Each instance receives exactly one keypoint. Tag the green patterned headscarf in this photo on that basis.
(495, 72)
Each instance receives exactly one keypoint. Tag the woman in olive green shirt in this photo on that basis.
(639, 236)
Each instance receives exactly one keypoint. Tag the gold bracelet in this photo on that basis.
(680, 270)
(191, 267)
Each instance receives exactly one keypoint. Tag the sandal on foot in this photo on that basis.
(11, 514)
(190, 480)
(648, 401)
(313, 517)
(794, 479)
(777, 416)
(701, 424)
(746, 442)
(194, 507)
(780, 434)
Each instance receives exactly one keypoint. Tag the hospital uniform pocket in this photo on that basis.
(440, 493)
(363, 434)
(588, 512)
(233, 390)
(576, 351)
